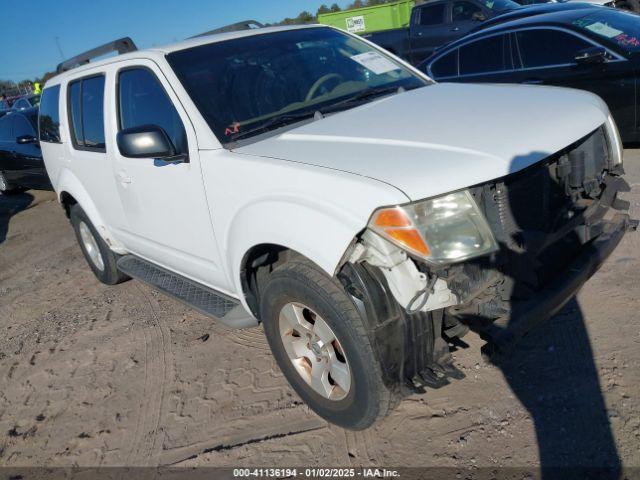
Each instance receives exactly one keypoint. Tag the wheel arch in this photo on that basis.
(70, 191)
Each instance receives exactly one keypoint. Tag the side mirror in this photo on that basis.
(591, 56)
(24, 139)
(147, 141)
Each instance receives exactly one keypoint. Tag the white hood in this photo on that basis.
(443, 137)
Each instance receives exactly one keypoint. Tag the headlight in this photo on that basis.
(440, 230)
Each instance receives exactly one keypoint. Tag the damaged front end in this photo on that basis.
(553, 224)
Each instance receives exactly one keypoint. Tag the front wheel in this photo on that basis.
(6, 187)
(320, 343)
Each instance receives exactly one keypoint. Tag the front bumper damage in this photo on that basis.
(556, 222)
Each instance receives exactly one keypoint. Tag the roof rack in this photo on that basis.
(234, 27)
(122, 45)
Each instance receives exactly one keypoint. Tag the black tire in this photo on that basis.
(300, 281)
(109, 274)
(6, 187)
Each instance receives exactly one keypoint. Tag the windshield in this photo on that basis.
(247, 86)
(500, 5)
(617, 26)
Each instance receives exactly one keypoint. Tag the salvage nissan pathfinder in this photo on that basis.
(366, 216)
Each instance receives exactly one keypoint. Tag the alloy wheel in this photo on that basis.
(314, 351)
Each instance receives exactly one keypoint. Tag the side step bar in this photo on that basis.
(205, 300)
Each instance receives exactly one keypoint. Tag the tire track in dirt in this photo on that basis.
(158, 368)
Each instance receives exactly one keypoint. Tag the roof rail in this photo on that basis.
(122, 45)
(234, 27)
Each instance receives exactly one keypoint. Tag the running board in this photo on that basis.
(205, 300)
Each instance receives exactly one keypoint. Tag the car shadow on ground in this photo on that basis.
(552, 370)
(10, 205)
(553, 373)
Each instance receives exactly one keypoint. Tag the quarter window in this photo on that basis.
(86, 101)
(484, 56)
(446, 66)
(49, 119)
(433, 15)
(143, 101)
(546, 47)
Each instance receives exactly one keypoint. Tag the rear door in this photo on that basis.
(167, 214)
(430, 28)
(546, 55)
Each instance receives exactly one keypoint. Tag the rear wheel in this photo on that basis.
(95, 250)
(320, 343)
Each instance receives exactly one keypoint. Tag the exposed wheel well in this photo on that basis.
(257, 264)
(67, 201)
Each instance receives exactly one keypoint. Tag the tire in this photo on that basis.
(301, 285)
(6, 187)
(95, 250)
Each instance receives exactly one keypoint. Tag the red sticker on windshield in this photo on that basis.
(233, 128)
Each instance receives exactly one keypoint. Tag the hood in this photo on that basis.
(442, 137)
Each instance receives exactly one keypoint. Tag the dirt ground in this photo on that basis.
(92, 375)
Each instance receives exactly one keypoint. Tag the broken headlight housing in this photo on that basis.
(446, 229)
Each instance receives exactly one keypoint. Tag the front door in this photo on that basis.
(28, 156)
(167, 215)
(430, 28)
(547, 56)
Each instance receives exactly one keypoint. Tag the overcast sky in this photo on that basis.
(29, 29)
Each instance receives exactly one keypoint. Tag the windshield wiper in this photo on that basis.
(361, 97)
(275, 122)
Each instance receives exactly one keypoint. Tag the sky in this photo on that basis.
(31, 30)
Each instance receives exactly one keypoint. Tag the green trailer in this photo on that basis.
(387, 16)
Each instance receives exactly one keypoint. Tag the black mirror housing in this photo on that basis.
(24, 139)
(591, 56)
(146, 141)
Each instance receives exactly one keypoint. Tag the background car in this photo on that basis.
(590, 48)
(28, 101)
(21, 164)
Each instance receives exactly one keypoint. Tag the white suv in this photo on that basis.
(305, 179)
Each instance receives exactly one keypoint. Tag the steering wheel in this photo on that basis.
(318, 83)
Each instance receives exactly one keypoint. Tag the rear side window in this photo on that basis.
(464, 11)
(49, 119)
(143, 101)
(433, 15)
(86, 109)
(484, 56)
(446, 66)
(546, 47)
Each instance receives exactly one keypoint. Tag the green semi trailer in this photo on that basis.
(387, 16)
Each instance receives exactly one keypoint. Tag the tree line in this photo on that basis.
(308, 17)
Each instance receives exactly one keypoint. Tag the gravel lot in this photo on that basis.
(94, 375)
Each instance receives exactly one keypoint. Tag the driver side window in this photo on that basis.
(143, 101)
(466, 11)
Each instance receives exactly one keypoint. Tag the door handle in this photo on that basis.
(533, 81)
(123, 178)
(455, 29)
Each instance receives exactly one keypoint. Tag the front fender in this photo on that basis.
(320, 232)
